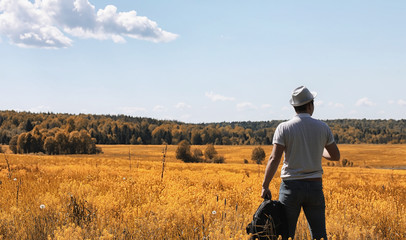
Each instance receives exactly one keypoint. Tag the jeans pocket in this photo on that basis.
(289, 193)
(316, 198)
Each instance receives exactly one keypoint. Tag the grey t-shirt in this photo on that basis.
(304, 139)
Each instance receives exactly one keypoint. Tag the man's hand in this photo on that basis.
(266, 193)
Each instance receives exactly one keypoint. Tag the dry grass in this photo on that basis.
(363, 155)
(99, 197)
(377, 156)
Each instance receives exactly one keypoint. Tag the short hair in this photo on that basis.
(302, 108)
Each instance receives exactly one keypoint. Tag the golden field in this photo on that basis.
(121, 194)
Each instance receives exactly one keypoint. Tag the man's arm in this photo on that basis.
(331, 152)
(271, 168)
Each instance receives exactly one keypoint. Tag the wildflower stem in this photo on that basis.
(18, 190)
(163, 161)
(8, 167)
(129, 157)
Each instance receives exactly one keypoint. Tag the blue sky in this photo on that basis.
(203, 61)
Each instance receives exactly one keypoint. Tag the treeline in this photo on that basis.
(356, 131)
(62, 133)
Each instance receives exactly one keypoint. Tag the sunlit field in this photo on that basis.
(126, 193)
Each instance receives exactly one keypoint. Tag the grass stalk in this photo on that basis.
(18, 191)
(8, 167)
(163, 161)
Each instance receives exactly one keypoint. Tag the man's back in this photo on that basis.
(304, 139)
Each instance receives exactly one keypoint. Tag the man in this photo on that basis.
(305, 141)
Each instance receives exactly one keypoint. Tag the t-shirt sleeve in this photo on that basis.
(278, 136)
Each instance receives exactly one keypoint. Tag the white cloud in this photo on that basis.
(26, 25)
(318, 103)
(159, 108)
(43, 24)
(41, 108)
(335, 105)
(353, 112)
(245, 106)
(287, 108)
(321, 103)
(364, 102)
(185, 117)
(182, 106)
(265, 106)
(132, 110)
(217, 97)
(402, 102)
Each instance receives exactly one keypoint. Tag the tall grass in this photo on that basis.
(100, 197)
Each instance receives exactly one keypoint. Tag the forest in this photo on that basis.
(57, 133)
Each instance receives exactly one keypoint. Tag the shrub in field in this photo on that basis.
(212, 156)
(183, 152)
(210, 153)
(258, 155)
(219, 159)
(344, 162)
(197, 155)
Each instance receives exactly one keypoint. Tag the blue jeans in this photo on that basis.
(295, 194)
